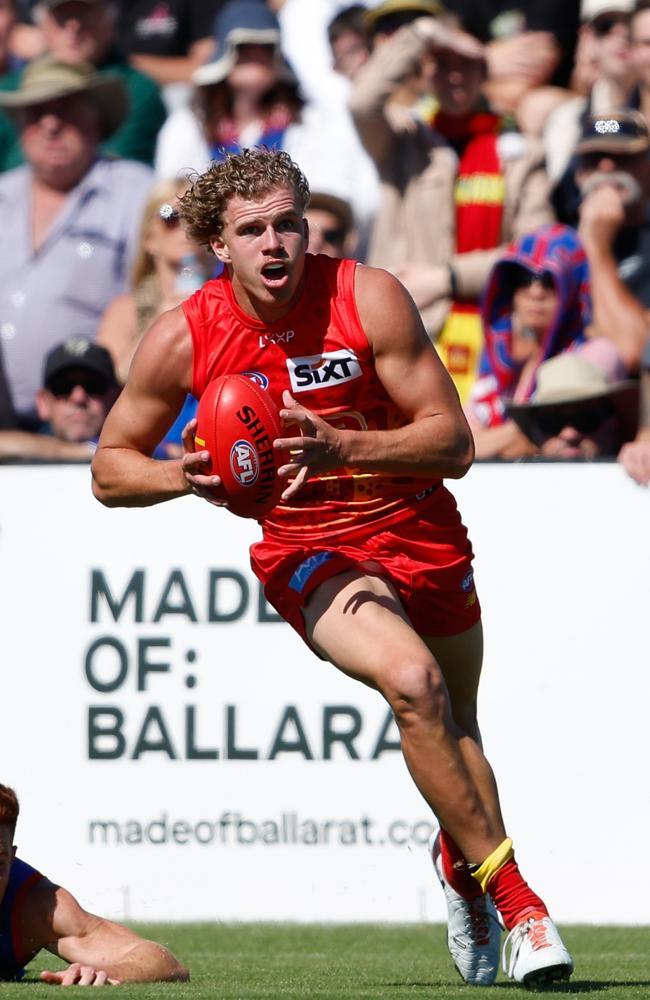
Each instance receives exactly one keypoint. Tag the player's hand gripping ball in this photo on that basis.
(237, 422)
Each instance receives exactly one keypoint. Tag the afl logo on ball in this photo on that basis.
(244, 463)
(259, 378)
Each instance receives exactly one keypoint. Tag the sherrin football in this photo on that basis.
(237, 422)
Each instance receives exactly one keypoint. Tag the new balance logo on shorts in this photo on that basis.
(320, 371)
(306, 568)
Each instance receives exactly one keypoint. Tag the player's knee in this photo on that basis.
(416, 690)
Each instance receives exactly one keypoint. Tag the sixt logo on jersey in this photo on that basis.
(321, 371)
(258, 378)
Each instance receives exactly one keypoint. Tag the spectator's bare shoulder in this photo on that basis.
(165, 352)
(117, 325)
(121, 309)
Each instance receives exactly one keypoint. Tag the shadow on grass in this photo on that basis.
(576, 986)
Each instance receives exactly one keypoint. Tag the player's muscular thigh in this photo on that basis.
(357, 621)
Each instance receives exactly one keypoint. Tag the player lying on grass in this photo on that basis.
(366, 555)
(36, 914)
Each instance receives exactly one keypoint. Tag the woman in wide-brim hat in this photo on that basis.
(247, 95)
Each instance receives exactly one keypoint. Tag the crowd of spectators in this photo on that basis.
(494, 155)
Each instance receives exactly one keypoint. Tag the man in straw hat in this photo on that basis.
(77, 31)
(582, 409)
(70, 217)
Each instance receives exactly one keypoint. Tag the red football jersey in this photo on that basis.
(320, 352)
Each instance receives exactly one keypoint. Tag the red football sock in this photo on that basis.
(456, 869)
(513, 898)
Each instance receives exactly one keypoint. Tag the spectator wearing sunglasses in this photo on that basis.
(246, 95)
(536, 305)
(73, 32)
(79, 386)
(331, 225)
(604, 43)
(583, 407)
(69, 218)
(612, 167)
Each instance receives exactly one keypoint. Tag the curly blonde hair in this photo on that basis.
(249, 175)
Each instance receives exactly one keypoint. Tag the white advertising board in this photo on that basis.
(180, 754)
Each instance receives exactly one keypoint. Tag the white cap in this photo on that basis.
(591, 9)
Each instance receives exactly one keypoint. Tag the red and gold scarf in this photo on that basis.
(479, 195)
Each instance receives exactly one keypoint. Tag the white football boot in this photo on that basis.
(537, 955)
(473, 929)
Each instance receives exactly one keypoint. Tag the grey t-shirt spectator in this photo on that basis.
(61, 290)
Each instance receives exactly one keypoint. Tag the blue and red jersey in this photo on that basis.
(13, 952)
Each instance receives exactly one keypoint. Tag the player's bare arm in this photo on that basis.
(124, 474)
(99, 951)
(437, 442)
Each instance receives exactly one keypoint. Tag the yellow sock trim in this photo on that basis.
(493, 863)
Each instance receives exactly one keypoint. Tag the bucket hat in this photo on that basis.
(242, 22)
(571, 383)
(418, 8)
(48, 78)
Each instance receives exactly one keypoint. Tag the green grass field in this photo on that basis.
(272, 961)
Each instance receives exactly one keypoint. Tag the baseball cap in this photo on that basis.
(591, 9)
(622, 131)
(78, 352)
(47, 77)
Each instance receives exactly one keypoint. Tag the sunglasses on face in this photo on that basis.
(625, 161)
(585, 420)
(525, 278)
(389, 23)
(333, 235)
(93, 384)
(168, 215)
(602, 26)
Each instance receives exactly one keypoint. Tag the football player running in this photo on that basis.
(366, 555)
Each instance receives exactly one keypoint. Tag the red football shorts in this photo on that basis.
(429, 564)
